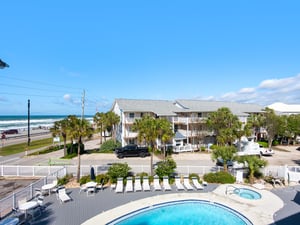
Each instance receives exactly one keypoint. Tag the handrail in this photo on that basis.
(235, 188)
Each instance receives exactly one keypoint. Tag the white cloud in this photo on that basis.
(246, 90)
(68, 98)
(286, 90)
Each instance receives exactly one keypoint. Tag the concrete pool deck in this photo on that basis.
(258, 211)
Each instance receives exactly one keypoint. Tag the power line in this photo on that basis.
(39, 82)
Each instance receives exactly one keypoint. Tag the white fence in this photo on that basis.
(10, 202)
(48, 173)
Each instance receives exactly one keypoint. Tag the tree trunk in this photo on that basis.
(78, 154)
(65, 144)
(151, 160)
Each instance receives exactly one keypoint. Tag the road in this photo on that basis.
(287, 156)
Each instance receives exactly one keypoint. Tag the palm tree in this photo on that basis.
(165, 132)
(80, 128)
(226, 153)
(112, 119)
(99, 120)
(148, 131)
(61, 128)
(224, 124)
(254, 164)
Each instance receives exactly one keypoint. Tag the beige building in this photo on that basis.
(186, 116)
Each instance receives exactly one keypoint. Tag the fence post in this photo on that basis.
(14, 200)
(18, 170)
(33, 170)
(31, 190)
(2, 170)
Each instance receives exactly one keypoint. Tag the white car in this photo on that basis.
(266, 151)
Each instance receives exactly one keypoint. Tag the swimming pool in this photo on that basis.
(185, 212)
(247, 193)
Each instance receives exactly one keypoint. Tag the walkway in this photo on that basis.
(83, 207)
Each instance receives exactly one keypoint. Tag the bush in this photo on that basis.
(109, 146)
(73, 148)
(102, 179)
(219, 177)
(118, 170)
(64, 180)
(85, 179)
(194, 175)
(165, 168)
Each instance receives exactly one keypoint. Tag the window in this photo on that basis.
(131, 115)
(200, 114)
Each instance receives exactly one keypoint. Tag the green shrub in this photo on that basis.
(64, 180)
(165, 168)
(118, 170)
(73, 148)
(102, 179)
(84, 179)
(219, 177)
(263, 144)
(109, 146)
(193, 175)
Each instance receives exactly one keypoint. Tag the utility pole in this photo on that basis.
(78, 153)
(28, 134)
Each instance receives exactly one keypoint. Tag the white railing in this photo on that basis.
(10, 202)
(185, 148)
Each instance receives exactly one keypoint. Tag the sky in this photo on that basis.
(61, 52)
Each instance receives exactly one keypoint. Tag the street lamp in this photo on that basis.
(3, 64)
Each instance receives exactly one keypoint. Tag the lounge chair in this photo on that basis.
(178, 184)
(156, 184)
(146, 186)
(186, 183)
(166, 184)
(63, 196)
(196, 183)
(119, 186)
(129, 185)
(137, 184)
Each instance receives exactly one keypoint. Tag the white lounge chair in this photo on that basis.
(178, 184)
(119, 186)
(186, 183)
(166, 184)
(137, 184)
(196, 183)
(146, 186)
(129, 185)
(63, 196)
(156, 184)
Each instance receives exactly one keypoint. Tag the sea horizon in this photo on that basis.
(20, 122)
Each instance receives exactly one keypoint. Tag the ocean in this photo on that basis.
(21, 122)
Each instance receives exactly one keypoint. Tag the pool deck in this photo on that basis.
(279, 206)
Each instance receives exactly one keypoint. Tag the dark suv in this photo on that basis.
(131, 150)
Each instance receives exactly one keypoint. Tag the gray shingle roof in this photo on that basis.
(170, 108)
(212, 106)
(159, 107)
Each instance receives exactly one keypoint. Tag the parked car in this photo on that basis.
(11, 131)
(231, 164)
(131, 150)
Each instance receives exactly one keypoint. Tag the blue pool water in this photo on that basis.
(247, 193)
(188, 212)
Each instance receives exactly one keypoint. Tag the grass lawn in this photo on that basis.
(17, 148)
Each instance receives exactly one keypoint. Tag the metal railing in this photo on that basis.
(9, 203)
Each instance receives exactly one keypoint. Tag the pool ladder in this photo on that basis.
(228, 191)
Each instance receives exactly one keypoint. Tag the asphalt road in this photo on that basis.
(287, 155)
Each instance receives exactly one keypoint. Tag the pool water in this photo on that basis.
(247, 193)
(188, 212)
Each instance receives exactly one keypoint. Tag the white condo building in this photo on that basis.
(186, 117)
